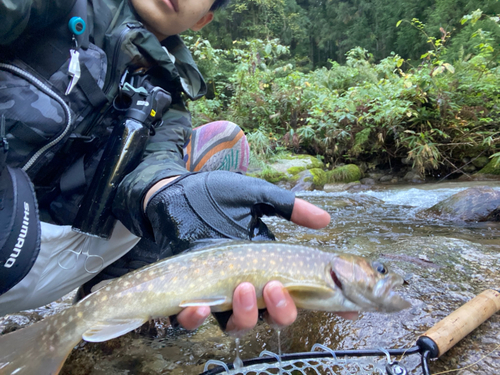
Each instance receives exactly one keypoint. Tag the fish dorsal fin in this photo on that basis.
(110, 329)
(212, 301)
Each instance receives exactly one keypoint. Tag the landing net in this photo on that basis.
(325, 361)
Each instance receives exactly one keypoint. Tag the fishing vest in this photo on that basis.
(56, 138)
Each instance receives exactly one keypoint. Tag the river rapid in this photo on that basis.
(445, 264)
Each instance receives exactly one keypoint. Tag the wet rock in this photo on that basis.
(14, 322)
(473, 204)
(375, 175)
(469, 168)
(367, 181)
(356, 186)
(331, 188)
(413, 176)
(386, 178)
(303, 182)
(303, 185)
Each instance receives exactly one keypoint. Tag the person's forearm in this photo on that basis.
(155, 188)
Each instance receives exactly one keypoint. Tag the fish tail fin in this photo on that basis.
(40, 348)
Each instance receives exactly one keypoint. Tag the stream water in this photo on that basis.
(459, 261)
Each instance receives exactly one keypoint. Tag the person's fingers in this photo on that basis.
(349, 315)
(245, 311)
(193, 317)
(281, 309)
(308, 215)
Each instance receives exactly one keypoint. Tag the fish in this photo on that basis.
(315, 279)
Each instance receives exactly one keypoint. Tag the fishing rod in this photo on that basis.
(431, 345)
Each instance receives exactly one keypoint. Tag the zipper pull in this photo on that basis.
(73, 70)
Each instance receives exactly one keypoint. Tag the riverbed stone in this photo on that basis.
(303, 182)
(375, 175)
(473, 204)
(334, 188)
(413, 176)
(469, 168)
(386, 178)
(367, 181)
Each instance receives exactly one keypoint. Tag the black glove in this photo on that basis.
(215, 204)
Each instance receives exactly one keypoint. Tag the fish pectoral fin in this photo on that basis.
(212, 301)
(110, 329)
(307, 288)
(306, 296)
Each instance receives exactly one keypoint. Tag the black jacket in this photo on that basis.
(52, 135)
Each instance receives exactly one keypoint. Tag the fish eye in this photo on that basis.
(379, 267)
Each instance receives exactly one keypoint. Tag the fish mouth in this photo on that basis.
(386, 297)
(335, 279)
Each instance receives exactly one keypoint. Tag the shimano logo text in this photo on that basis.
(20, 238)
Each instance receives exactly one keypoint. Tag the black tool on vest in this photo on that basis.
(144, 106)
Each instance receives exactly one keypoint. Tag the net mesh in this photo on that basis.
(306, 366)
(318, 366)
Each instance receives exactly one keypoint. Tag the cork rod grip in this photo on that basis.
(449, 331)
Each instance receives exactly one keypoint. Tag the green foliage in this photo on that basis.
(260, 143)
(319, 31)
(363, 110)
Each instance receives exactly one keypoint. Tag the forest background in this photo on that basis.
(380, 83)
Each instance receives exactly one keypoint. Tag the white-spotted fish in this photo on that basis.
(315, 279)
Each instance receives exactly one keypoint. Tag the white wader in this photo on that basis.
(66, 260)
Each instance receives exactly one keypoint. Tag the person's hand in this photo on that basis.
(216, 205)
(281, 309)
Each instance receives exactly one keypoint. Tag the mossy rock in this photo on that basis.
(345, 174)
(319, 177)
(490, 168)
(295, 170)
(481, 161)
(270, 175)
(293, 164)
